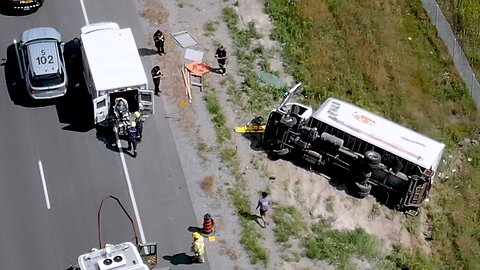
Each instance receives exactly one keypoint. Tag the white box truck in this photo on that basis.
(113, 69)
(371, 153)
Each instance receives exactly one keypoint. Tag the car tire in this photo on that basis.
(288, 121)
(373, 158)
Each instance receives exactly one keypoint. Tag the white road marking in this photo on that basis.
(44, 184)
(130, 190)
(124, 164)
(84, 11)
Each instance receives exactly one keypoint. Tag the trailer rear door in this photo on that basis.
(100, 108)
(146, 101)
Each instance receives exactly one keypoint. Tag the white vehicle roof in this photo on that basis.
(381, 132)
(123, 256)
(113, 57)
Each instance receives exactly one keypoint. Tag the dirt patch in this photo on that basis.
(208, 185)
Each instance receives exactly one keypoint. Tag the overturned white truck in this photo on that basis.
(375, 154)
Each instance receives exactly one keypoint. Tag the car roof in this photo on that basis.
(40, 33)
(48, 50)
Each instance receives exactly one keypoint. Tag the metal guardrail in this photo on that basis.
(454, 49)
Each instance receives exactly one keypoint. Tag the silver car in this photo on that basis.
(40, 57)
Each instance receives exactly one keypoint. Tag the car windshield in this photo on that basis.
(46, 80)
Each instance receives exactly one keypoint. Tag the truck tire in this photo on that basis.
(281, 152)
(362, 190)
(373, 158)
(288, 121)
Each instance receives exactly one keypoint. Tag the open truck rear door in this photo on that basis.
(146, 101)
(100, 108)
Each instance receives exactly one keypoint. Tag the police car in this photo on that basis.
(42, 66)
(21, 5)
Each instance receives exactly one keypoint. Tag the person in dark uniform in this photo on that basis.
(159, 40)
(156, 76)
(221, 55)
(132, 138)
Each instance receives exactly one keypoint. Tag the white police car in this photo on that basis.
(40, 57)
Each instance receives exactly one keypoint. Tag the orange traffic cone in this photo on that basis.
(208, 225)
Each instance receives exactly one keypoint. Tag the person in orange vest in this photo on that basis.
(198, 247)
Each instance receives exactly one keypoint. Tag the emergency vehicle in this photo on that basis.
(113, 71)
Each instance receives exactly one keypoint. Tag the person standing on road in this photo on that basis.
(159, 40)
(198, 247)
(156, 76)
(264, 205)
(221, 55)
(132, 138)
(139, 124)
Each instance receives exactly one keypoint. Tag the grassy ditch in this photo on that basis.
(386, 57)
(342, 248)
(250, 234)
(252, 58)
(464, 19)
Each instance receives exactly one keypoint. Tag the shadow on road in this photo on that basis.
(193, 229)
(180, 258)
(146, 51)
(75, 108)
(251, 216)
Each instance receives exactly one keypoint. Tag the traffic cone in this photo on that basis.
(208, 225)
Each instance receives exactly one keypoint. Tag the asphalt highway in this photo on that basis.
(55, 171)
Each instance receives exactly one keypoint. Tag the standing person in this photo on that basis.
(198, 247)
(139, 124)
(156, 76)
(159, 40)
(221, 55)
(132, 138)
(264, 204)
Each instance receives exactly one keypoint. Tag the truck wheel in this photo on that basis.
(288, 121)
(363, 189)
(373, 158)
(281, 152)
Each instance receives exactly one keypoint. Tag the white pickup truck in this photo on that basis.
(113, 69)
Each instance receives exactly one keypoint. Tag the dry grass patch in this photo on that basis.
(229, 251)
(153, 13)
(208, 185)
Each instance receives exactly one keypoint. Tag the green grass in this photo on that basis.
(209, 28)
(386, 57)
(214, 108)
(339, 247)
(251, 59)
(464, 19)
(288, 223)
(249, 235)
